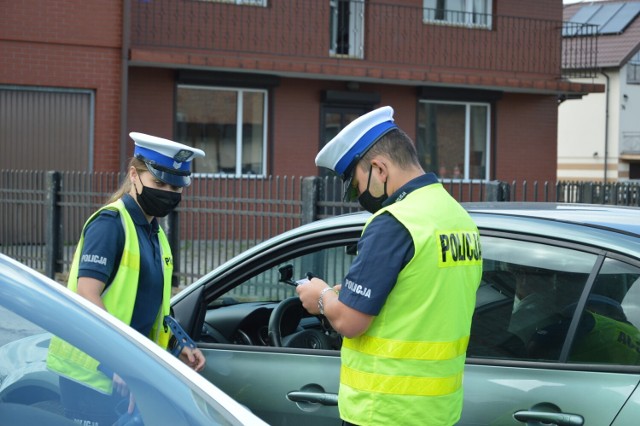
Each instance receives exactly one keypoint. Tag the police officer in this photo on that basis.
(604, 335)
(123, 264)
(405, 306)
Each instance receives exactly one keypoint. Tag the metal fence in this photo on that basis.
(42, 212)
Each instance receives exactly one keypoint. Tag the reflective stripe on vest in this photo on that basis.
(420, 386)
(119, 300)
(389, 348)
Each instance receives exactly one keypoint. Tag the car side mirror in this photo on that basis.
(286, 274)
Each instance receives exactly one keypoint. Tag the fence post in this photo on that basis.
(497, 191)
(172, 230)
(53, 227)
(586, 193)
(309, 199)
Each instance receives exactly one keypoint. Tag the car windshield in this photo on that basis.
(39, 368)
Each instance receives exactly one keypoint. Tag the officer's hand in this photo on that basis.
(309, 294)
(120, 385)
(193, 357)
(132, 404)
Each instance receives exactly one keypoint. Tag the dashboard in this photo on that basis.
(248, 323)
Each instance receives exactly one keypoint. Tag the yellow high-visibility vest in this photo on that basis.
(119, 299)
(407, 368)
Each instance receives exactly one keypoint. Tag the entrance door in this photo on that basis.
(335, 119)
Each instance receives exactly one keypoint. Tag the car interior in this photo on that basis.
(525, 303)
(265, 310)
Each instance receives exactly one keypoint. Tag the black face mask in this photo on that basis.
(156, 202)
(369, 202)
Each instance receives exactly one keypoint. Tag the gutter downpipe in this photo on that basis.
(606, 127)
(124, 81)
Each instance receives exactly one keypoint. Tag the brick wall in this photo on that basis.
(70, 44)
(151, 103)
(294, 138)
(539, 9)
(525, 138)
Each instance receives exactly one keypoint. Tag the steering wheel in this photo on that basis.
(290, 310)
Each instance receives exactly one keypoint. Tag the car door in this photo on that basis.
(536, 352)
(294, 384)
(524, 354)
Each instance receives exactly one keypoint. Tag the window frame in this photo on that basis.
(563, 363)
(468, 15)
(353, 23)
(467, 135)
(633, 69)
(239, 135)
(259, 3)
(550, 246)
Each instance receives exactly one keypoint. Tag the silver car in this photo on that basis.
(33, 308)
(554, 338)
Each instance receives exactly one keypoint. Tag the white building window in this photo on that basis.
(633, 69)
(453, 139)
(228, 124)
(346, 28)
(244, 2)
(476, 13)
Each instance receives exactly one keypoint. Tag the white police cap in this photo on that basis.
(344, 151)
(167, 160)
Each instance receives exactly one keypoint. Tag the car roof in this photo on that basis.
(592, 225)
(620, 219)
(589, 224)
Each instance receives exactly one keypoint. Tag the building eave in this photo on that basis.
(140, 57)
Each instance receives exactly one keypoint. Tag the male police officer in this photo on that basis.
(405, 306)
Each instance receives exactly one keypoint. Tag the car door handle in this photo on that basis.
(560, 419)
(315, 397)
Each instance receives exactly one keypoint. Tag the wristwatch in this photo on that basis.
(320, 301)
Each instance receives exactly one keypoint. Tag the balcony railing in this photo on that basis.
(364, 34)
(579, 49)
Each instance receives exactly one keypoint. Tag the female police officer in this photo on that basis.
(123, 264)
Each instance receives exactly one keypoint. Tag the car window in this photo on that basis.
(526, 287)
(242, 314)
(608, 328)
(329, 263)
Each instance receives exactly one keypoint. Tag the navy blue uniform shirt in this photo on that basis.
(384, 249)
(102, 251)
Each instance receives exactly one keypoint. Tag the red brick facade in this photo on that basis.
(68, 44)
(78, 44)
